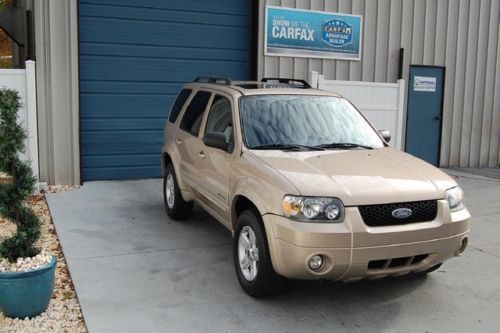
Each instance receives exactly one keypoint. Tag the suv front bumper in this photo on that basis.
(352, 250)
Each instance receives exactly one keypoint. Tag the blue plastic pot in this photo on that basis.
(27, 294)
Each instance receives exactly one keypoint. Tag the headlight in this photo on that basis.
(313, 209)
(455, 198)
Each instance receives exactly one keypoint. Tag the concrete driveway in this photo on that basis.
(136, 271)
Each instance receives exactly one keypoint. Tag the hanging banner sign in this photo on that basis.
(312, 34)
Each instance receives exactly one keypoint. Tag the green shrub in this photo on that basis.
(13, 196)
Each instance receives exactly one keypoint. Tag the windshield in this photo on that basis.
(313, 121)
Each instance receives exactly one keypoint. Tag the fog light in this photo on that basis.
(315, 262)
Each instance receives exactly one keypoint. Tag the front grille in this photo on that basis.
(396, 262)
(381, 215)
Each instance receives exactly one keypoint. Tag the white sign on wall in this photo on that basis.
(424, 83)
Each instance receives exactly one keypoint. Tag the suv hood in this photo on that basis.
(359, 177)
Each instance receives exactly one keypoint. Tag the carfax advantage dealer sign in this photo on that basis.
(312, 34)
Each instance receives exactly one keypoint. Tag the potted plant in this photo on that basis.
(26, 274)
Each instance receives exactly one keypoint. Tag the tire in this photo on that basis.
(264, 281)
(427, 271)
(177, 208)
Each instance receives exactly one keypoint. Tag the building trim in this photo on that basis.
(56, 25)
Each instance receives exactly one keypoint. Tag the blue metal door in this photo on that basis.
(424, 118)
(134, 58)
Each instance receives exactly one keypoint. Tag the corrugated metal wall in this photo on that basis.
(462, 35)
(56, 27)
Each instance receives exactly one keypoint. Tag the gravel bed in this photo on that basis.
(64, 313)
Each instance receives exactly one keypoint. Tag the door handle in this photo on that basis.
(437, 118)
(201, 154)
(178, 141)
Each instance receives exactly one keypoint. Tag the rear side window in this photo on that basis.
(194, 113)
(179, 102)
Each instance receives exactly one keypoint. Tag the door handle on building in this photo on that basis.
(437, 118)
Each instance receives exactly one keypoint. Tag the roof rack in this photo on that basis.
(304, 83)
(214, 79)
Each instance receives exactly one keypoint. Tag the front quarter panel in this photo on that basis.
(259, 183)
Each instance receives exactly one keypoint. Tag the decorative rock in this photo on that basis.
(26, 264)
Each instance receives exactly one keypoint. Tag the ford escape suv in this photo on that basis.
(308, 188)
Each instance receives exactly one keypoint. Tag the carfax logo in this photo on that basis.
(336, 33)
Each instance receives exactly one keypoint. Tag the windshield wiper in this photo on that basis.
(345, 145)
(286, 146)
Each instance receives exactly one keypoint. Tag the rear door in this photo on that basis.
(189, 142)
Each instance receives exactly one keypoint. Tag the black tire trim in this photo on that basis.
(267, 282)
(182, 209)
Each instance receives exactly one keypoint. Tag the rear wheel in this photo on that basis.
(176, 207)
(252, 261)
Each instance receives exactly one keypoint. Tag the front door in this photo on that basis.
(424, 118)
(216, 163)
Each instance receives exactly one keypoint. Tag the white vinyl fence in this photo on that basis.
(381, 103)
(23, 80)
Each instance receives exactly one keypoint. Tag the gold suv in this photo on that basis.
(308, 188)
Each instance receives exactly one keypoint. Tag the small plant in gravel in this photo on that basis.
(13, 195)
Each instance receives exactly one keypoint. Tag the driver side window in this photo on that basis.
(220, 120)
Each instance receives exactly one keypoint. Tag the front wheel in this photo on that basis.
(252, 261)
(176, 207)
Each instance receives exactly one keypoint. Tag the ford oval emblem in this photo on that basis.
(402, 213)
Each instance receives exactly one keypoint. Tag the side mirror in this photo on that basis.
(386, 135)
(215, 140)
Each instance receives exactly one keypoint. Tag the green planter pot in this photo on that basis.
(27, 294)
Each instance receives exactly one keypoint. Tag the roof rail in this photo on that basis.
(304, 83)
(214, 79)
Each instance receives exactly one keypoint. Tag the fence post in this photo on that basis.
(401, 99)
(321, 81)
(32, 123)
(313, 79)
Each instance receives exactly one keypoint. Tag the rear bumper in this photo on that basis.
(351, 250)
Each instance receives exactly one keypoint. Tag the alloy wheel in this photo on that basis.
(248, 253)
